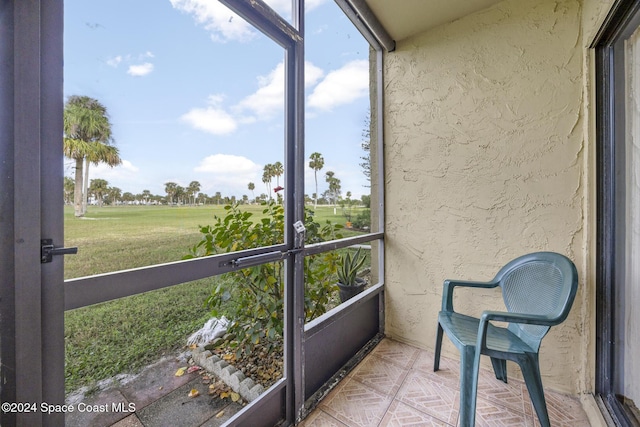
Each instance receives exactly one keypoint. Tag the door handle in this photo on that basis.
(47, 251)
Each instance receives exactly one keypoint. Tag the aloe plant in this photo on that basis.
(348, 270)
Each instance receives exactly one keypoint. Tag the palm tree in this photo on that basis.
(100, 153)
(252, 187)
(179, 194)
(278, 170)
(68, 190)
(334, 186)
(99, 188)
(128, 197)
(192, 189)
(87, 139)
(170, 188)
(316, 162)
(146, 194)
(267, 175)
(114, 194)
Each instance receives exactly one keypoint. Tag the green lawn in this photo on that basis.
(118, 238)
(124, 335)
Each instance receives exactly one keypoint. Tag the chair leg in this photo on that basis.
(500, 368)
(468, 386)
(436, 359)
(531, 373)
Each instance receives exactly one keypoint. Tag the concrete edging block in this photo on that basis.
(232, 377)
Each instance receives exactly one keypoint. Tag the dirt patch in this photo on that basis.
(262, 366)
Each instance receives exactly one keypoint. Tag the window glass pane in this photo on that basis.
(125, 343)
(196, 121)
(338, 150)
(125, 335)
(283, 7)
(192, 103)
(334, 277)
(337, 127)
(632, 282)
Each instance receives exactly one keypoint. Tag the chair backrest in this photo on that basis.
(542, 283)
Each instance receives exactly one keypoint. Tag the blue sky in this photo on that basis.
(195, 93)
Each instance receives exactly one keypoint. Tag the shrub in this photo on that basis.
(362, 221)
(252, 298)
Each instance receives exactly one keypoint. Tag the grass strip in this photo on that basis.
(124, 335)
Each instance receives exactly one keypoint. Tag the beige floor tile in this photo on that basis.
(431, 395)
(490, 414)
(513, 394)
(449, 369)
(427, 398)
(401, 415)
(356, 404)
(564, 411)
(396, 352)
(378, 373)
(318, 418)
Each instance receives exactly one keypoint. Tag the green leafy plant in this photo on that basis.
(349, 266)
(252, 298)
(362, 221)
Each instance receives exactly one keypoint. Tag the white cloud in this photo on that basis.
(216, 18)
(133, 69)
(311, 74)
(264, 104)
(229, 173)
(321, 29)
(225, 25)
(116, 176)
(268, 100)
(115, 61)
(140, 70)
(312, 4)
(284, 6)
(341, 86)
(227, 164)
(212, 119)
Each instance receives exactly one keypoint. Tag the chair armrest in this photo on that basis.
(503, 316)
(449, 285)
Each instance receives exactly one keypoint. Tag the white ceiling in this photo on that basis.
(404, 18)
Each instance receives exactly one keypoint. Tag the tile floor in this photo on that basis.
(395, 386)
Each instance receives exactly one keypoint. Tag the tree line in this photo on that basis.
(101, 193)
(88, 140)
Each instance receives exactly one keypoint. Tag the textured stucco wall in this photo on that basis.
(485, 160)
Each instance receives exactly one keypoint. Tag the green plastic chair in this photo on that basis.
(538, 290)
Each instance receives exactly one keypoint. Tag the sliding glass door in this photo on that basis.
(618, 239)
